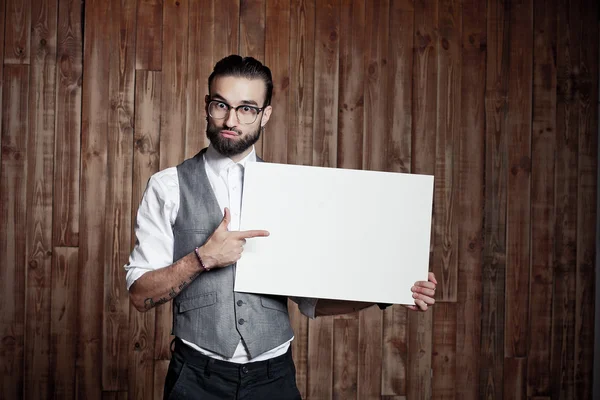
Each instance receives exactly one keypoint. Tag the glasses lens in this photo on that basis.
(247, 114)
(217, 109)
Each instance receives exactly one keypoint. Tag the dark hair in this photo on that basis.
(246, 67)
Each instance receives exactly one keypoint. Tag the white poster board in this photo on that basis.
(335, 233)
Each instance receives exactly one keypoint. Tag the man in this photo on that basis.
(228, 345)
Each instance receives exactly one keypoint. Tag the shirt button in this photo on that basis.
(239, 302)
(241, 321)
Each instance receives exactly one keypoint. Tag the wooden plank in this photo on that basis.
(226, 27)
(68, 125)
(94, 170)
(149, 38)
(395, 350)
(345, 358)
(160, 372)
(543, 151)
(320, 358)
(13, 217)
(515, 381)
(117, 212)
(252, 28)
(326, 83)
(518, 216)
(471, 202)
(444, 351)
(40, 166)
(110, 395)
(565, 228)
(2, 25)
(63, 322)
(145, 163)
(586, 202)
(494, 267)
(400, 58)
(448, 124)
(351, 90)
(277, 55)
(173, 121)
(302, 45)
(369, 353)
(302, 39)
(423, 162)
(17, 34)
(200, 66)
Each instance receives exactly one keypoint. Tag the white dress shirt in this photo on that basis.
(156, 217)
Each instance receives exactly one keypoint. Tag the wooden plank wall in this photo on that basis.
(496, 98)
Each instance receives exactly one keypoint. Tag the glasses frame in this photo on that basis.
(229, 107)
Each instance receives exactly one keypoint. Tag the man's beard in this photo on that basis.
(228, 147)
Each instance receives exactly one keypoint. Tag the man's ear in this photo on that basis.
(266, 115)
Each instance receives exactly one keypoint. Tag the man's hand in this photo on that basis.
(423, 293)
(225, 247)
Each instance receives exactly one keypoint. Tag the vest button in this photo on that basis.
(239, 302)
(245, 369)
(241, 321)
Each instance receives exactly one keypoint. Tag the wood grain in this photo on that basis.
(13, 238)
(2, 24)
(518, 217)
(395, 351)
(320, 358)
(117, 233)
(95, 99)
(63, 322)
(277, 54)
(40, 165)
(514, 378)
(496, 161)
(17, 34)
(351, 112)
(160, 372)
(173, 120)
(586, 202)
(200, 66)
(326, 83)
(565, 228)
(149, 38)
(443, 362)
(345, 358)
(65, 218)
(145, 163)
(449, 66)
(471, 201)
(227, 28)
(302, 72)
(543, 151)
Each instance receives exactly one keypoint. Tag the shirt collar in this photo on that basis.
(219, 163)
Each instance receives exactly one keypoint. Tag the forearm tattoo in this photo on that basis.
(150, 302)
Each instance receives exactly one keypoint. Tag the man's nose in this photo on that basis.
(231, 119)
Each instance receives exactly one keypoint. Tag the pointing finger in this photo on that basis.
(252, 234)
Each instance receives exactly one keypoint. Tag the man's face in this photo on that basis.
(228, 135)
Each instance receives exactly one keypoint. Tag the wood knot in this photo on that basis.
(445, 44)
(333, 36)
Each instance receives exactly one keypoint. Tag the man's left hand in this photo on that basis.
(424, 293)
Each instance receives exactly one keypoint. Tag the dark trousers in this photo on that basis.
(192, 375)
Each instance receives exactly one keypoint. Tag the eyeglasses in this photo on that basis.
(245, 114)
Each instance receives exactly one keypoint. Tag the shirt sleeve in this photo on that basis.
(153, 228)
(306, 305)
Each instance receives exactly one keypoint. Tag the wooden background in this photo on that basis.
(496, 98)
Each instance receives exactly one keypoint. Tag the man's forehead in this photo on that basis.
(239, 88)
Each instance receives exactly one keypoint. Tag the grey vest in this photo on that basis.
(208, 312)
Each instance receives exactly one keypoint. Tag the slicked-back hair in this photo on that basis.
(244, 67)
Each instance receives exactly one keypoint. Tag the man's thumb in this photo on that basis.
(226, 218)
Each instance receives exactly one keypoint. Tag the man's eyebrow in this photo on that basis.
(246, 102)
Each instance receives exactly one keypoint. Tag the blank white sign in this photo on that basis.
(335, 233)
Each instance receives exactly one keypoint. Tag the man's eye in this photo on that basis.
(222, 105)
(246, 109)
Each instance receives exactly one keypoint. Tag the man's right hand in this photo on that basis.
(225, 247)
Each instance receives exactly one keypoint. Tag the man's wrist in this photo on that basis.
(205, 261)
